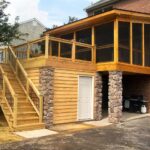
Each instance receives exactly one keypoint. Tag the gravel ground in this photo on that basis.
(132, 135)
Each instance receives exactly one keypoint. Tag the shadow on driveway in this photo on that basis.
(131, 135)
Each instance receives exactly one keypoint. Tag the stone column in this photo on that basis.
(115, 96)
(98, 97)
(46, 86)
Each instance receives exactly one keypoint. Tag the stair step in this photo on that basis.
(19, 92)
(24, 119)
(32, 126)
(29, 108)
(27, 114)
(24, 122)
(27, 118)
(23, 103)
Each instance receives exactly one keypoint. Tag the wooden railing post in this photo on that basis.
(16, 67)
(28, 51)
(15, 111)
(116, 41)
(27, 88)
(5, 52)
(4, 88)
(41, 109)
(46, 46)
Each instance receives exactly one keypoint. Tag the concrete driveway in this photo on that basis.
(132, 135)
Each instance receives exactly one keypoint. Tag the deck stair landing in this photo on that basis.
(17, 105)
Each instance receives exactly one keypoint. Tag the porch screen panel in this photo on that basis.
(66, 50)
(84, 36)
(67, 36)
(54, 47)
(137, 44)
(147, 44)
(104, 35)
(83, 53)
(124, 42)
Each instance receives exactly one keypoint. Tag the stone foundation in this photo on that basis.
(115, 96)
(46, 86)
(98, 97)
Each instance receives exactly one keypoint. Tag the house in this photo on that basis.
(84, 71)
(128, 5)
(32, 29)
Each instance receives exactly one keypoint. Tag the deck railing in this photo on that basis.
(57, 47)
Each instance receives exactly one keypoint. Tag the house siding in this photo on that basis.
(66, 95)
(142, 6)
(32, 30)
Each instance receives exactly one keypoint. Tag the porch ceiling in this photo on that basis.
(101, 18)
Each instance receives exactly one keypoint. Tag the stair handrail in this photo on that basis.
(31, 84)
(6, 80)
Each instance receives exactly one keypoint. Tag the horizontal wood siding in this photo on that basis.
(66, 95)
(34, 74)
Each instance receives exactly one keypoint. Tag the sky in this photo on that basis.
(48, 12)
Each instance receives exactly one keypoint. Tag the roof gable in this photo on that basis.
(31, 20)
(100, 3)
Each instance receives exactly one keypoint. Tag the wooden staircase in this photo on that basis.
(15, 100)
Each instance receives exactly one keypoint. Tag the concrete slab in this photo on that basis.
(127, 116)
(35, 133)
(102, 123)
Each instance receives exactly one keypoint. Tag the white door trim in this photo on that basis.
(92, 103)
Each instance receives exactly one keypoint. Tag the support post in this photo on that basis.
(131, 42)
(93, 45)
(59, 50)
(46, 45)
(74, 47)
(116, 41)
(143, 44)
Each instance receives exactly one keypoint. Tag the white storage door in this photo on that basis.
(85, 98)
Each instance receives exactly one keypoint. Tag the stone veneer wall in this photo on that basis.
(137, 85)
(46, 88)
(98, 97)
(115, 96)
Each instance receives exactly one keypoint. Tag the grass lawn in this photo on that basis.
(5, 134)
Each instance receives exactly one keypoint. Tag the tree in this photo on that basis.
(72, 19)
(8, 32)
(54, 26)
